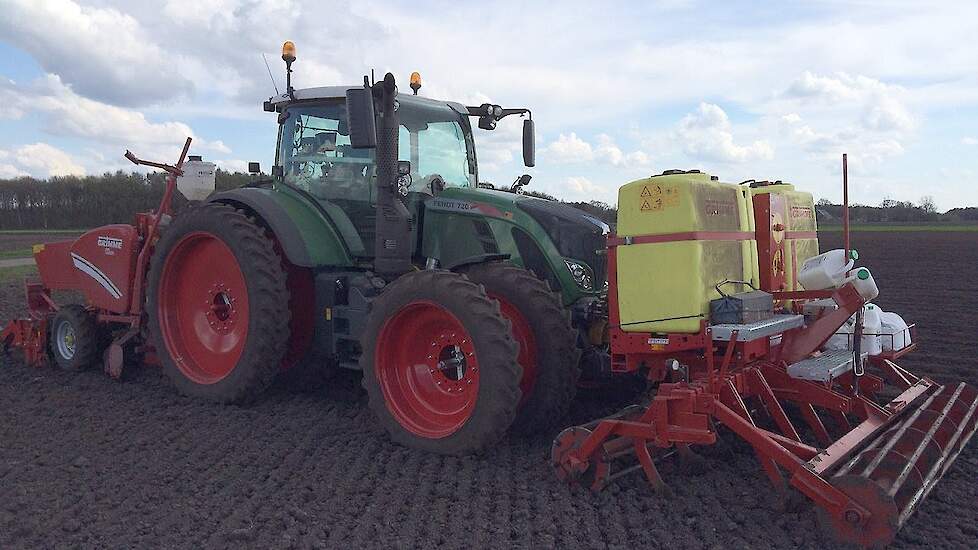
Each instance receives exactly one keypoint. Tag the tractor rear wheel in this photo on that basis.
(218, 305)
(548, 343)
(74, 338)
(440, 364)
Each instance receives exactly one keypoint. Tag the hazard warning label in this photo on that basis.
(656, 197)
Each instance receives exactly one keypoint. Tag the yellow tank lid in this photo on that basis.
(760, 187)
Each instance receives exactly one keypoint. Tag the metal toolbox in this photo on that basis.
(744, 307)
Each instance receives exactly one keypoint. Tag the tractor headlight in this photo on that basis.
(581, 273)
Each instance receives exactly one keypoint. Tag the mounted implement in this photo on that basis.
(814, 412)
(108, 266)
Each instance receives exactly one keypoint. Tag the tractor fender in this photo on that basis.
(477, 259)
(308, 237)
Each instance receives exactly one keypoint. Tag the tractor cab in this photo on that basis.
(315, 153)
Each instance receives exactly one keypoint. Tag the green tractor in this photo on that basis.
(372, 247)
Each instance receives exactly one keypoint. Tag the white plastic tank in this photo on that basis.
(198, 179)
(872, 327)
(894, 335)
(827, 270)
(871, 343)
(863, 280)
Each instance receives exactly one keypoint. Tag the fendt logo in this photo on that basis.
(110, 242)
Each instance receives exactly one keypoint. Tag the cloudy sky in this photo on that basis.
(619, 90)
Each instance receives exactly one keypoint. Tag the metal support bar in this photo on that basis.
(728, 355)
(816, 488)
(648, 466)
(816, 425)
(770, 402)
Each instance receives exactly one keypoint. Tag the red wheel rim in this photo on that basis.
(203, 307)
(428, 370)
(527, 342)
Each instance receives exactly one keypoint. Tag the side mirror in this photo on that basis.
(254, 168)
(529, 143)
(360, 117)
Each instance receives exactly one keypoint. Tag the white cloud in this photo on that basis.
(104, 53)
(217, 146)
(9, 171)
(637, 158)
(39, 160)
(880, 106)
(707, 134)
(607, 151)
(791, 118)
(968, 140)
(842, 113)
(233, 165)
(69, 114)
(570, 148)
(581, 185)
(582, 189)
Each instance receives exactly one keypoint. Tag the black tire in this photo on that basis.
(557, 355)
(268, 296)
(498, 393)
(74, 338)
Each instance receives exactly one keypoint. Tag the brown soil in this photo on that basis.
(88, 462)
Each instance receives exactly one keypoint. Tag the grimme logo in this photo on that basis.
(110, 242)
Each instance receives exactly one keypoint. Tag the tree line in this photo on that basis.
(894, 211)
(80, 202)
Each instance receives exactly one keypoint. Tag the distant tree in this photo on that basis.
(888, 203)
(927, 204)
(824, 202)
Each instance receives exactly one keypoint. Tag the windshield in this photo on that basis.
(316, 154)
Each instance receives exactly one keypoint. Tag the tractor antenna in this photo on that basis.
(372, 79)
(269, 69)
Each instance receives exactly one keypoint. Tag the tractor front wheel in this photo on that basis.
(74, 338)
(548, 343)
(440, 364)
(218, 305)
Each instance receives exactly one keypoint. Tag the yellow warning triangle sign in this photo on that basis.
(646, 205)
(645, 192)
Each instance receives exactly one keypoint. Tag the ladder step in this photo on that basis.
(824, 368)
